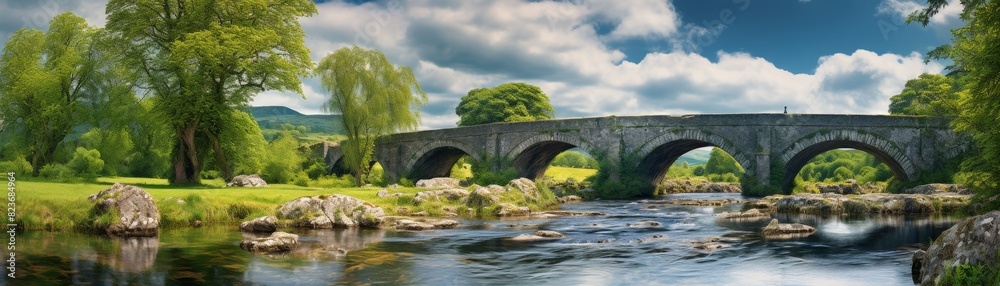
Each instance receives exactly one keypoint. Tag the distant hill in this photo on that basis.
(695, 157)
(272, 117)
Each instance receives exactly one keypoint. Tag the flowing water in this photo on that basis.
(602, 250)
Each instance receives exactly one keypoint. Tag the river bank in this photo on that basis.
(631, 241)
(63, 206)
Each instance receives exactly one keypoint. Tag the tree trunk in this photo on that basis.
(187, 169)
(220, 158)
(357, 178)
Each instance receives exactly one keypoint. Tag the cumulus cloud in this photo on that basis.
(568, 49)
(947, 16)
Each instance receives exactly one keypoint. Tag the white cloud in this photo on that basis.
(948, 15)
(457, 46)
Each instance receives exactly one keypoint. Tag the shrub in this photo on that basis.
(315, 170)
(57, 172)
(405, 182)
(209, 175)
(301, 179)
(283, 161)
(965, 274)
(501, 177)
(19, 166)
(86, 163)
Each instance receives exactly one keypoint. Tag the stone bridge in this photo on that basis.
(771, 148)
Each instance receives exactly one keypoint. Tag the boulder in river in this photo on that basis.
(261, 224)
(133, 209)
(752, 214)
(331, 211)
(277, 242)
(930, 189)
(403, 223)
(644, 224)
(247, 181)
(482, 197)
(538, 235)
(525, 186)
(438, 183)
(440, 195)
(975, 241)
(786, 230)
(507, 209)
(570, 199)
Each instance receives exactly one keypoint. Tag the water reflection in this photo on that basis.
(596, 250)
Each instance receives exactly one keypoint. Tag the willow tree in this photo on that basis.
(44, 77)
(202, 59)
(374, 97)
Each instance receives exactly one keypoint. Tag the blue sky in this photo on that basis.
(604, 57)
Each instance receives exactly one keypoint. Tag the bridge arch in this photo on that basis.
(436, 159)
(660, 152)
(799, 153)
(532, 156)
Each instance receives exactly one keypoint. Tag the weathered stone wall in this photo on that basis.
(910, 145)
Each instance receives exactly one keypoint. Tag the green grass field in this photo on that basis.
(63, 206)
(563, 173)
(46, 205)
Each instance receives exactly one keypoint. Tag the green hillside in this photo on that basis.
(695, 157)
(272, 117)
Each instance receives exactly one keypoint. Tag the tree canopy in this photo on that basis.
(509, 102)
(929, 95)
(202, 59)
(374, 97)
(975, 51)
(44, 77)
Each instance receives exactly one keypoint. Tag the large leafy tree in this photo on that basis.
(44, 77)
(374, 96)
(204, 58)
(720, 162)
(929, 95)
(509, 102)
(975, 51)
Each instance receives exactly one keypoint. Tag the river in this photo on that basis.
(600, 250)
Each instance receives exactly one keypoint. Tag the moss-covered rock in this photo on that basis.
(331, 211)
(125, 210)
(974, 241)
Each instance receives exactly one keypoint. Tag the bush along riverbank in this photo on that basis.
(56, 206)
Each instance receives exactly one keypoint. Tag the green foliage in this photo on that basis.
(509, 102)
(114, 146)
(501, 177)
(965, 274)
(574, 159)
(754, 188)
(283, 161)
(202, 59)
(837, 166)
(242, 144)
(628, 184)
(316, 169)
(374, 97)
(975, 52)
(19, 166)
(44, 77)
(720, 162)
(406, 182)
(86, 163)
(58, 172)
(928, 95)
(842, 173)
(461, 170)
